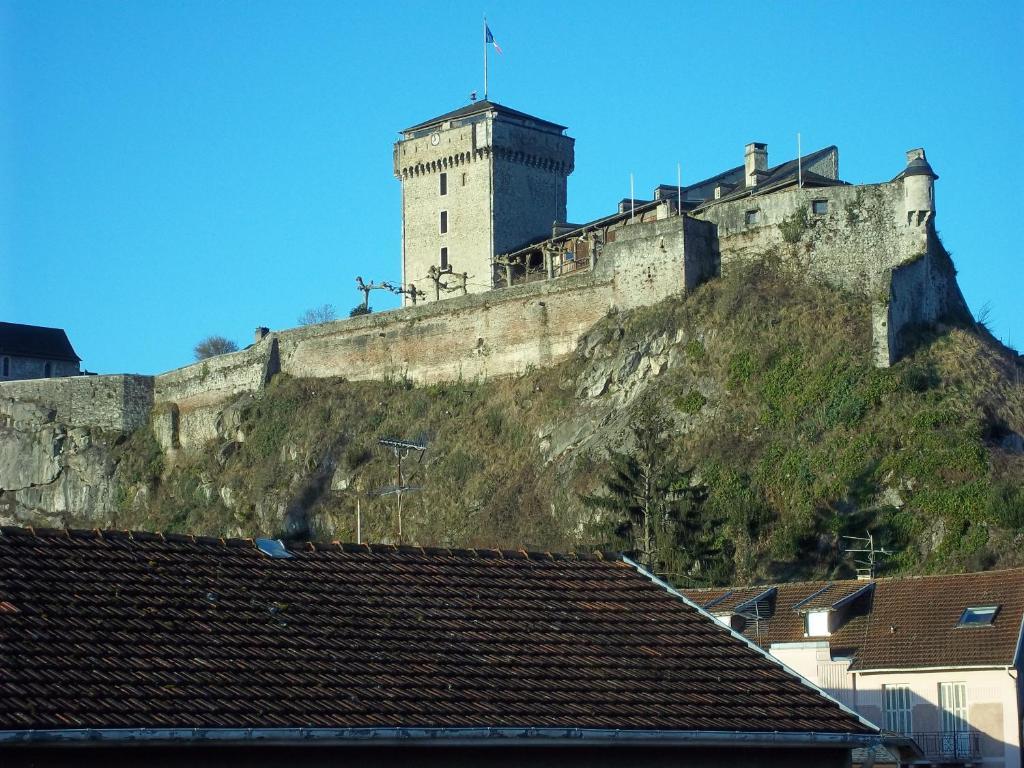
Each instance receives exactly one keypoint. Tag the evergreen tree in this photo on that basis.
(655, 509)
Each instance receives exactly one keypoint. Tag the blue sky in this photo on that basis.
(169, 170)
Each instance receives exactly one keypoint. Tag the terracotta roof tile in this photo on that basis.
(141, 630)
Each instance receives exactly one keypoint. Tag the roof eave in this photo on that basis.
(974, 667)
(441, 737)
(72, 358)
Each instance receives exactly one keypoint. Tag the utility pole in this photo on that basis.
(866, 566)
(401, 450)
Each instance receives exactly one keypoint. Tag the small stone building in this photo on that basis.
(146, 649)
(35, 352)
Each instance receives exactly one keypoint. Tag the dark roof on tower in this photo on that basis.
(102, 630)
(478, 107)
(36, 341)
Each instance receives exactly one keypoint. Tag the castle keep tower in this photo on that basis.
(476, 182)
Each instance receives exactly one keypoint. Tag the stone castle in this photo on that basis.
(495, 280)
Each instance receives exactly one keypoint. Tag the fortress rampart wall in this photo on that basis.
(862, 234)
(121, 402)
(504, 331)
(498, 333)
(864, 242)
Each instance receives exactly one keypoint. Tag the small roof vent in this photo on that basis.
(273, 548)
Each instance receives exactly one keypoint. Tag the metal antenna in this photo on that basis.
(866, 567)
(401, 449)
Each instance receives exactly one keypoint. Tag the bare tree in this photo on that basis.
(213, 345)
(323, 314)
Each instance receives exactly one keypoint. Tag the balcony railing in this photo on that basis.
(949, 746)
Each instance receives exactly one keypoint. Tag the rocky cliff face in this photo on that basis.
(53, 474)
(767, 383)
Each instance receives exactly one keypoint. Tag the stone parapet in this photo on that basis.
(119, 402)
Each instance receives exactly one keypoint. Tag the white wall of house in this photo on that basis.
(992, 698)
(991, 705)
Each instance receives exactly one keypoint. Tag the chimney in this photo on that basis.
(755, 158)
(915, 154)
(261, 332)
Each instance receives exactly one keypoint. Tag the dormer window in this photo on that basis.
(978, 616)
(816, 623)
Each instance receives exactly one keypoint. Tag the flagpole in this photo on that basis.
(485, 58)
(679, 188)
(799, 165)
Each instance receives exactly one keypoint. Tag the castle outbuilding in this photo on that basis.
(35, 352)
(478, 181)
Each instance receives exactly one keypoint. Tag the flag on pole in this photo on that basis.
(489, 38)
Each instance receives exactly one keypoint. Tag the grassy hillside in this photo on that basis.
(771, 397)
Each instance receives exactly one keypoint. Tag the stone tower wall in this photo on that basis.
(462, 155)
(530, 170)
(506, 184)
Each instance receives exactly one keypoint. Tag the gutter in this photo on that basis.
(441, 737)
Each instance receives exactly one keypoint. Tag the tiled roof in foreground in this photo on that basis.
(116, 630)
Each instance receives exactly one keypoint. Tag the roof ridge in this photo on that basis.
(480, 553)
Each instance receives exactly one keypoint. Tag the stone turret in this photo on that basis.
(918, 188)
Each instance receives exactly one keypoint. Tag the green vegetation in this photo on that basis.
(770, 397)
(656, 511)
(794, 226)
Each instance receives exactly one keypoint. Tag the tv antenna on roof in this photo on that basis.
(866, 566)
(401, 449)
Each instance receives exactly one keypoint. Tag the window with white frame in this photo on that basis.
(897, 708)
(953, 703)
(444, 222)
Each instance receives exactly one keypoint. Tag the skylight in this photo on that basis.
(978, 616)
